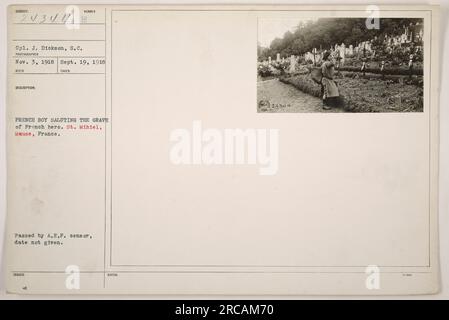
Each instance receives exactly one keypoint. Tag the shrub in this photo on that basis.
(264, 71)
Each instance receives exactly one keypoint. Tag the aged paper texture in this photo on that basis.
(272, 150)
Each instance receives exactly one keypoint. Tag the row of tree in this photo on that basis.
(326, 32)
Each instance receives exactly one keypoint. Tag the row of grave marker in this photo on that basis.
(409, 35)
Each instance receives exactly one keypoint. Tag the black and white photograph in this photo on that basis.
(340, 65)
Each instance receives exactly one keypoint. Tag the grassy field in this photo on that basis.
(368, 94)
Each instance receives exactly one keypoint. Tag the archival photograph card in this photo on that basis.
(222, 150)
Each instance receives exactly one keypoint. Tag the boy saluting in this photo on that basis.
(329, 89)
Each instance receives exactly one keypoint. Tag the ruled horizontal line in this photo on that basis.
(60, 23)
(59, 40)
(61, 73)
(65, 57)
(270, 272)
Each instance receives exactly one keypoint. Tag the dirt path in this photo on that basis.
(285, 98)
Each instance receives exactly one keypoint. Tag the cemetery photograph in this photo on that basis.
(340, 65)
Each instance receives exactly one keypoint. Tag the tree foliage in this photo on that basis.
(326, 32)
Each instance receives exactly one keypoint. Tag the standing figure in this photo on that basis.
(329, 89)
